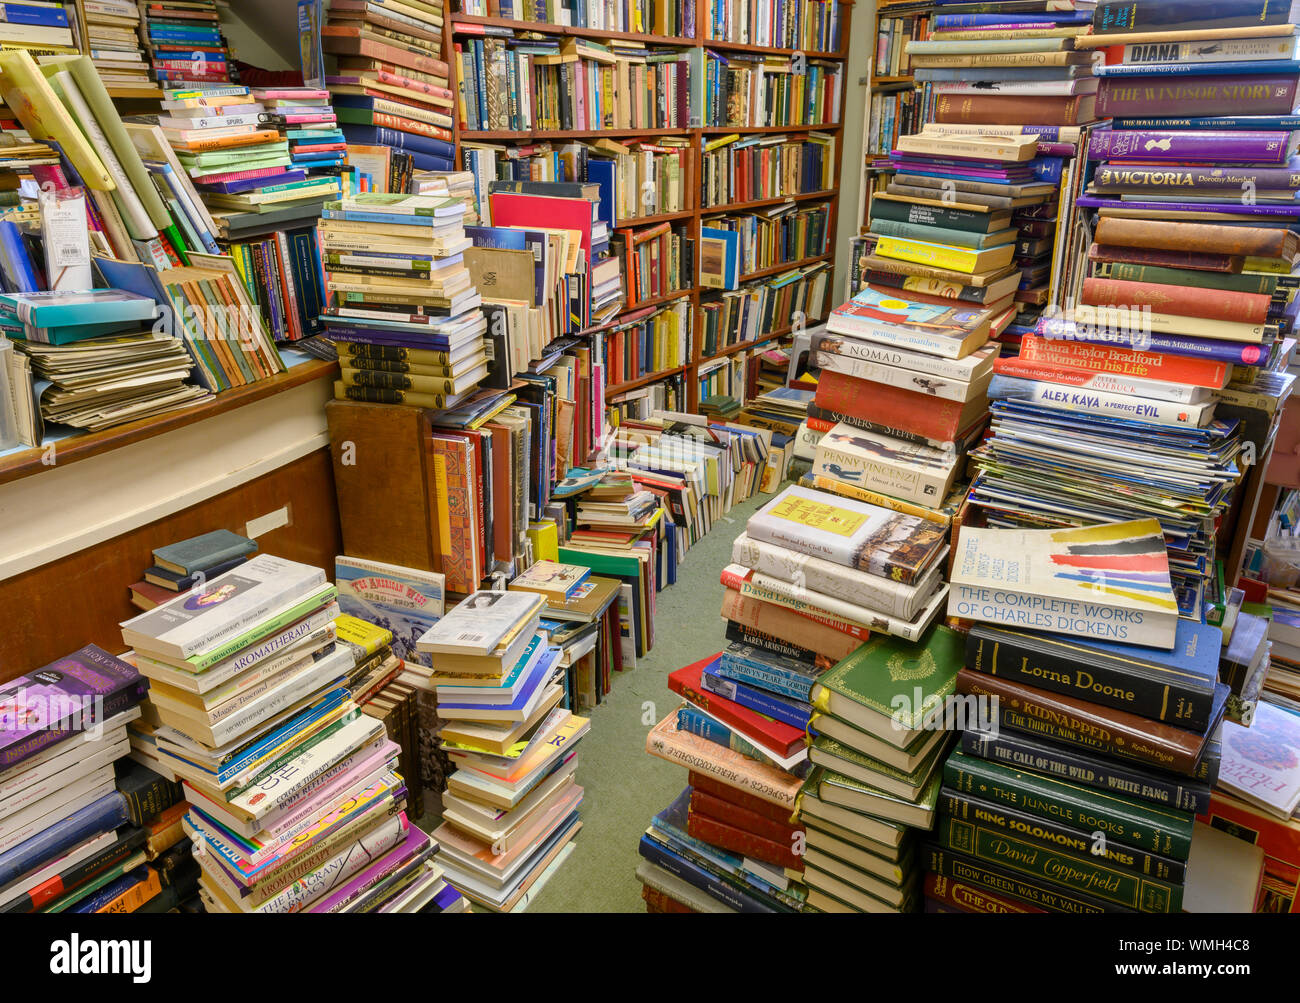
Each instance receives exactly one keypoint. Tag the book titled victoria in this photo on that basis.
(1108, 582)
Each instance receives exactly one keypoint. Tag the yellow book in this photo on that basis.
(545, 538)
(368, 637)
(721, 141)
(957, 259)
(30, 97)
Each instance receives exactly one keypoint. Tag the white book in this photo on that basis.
(903, 470)
(478, 624)
(63, 754)
(54, 808)
(104, 754)
(231, 604)
(894, 371)
(1115, 383)
(19, 886)
(1211, 50)
(1076, 400)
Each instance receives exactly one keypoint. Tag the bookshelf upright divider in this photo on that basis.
(692, 217)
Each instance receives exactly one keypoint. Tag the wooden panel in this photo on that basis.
(62, 605)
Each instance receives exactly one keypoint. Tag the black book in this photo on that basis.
(128, 841)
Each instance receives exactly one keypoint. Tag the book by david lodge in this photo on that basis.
(1108, 582)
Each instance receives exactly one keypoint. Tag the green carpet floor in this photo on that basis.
(624, 785)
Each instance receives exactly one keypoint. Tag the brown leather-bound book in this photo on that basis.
(1257, 241)
(1104, 730)
(1007, 109)
(383, 478)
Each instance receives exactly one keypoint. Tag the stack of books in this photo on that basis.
(398, 281)
(307, 123)
(185, 42)
(187, 564)
(248, 687)
(40, 28)
(390, 87)
(66, 841)
(510, 810)
(112, 33)
(1091, 716)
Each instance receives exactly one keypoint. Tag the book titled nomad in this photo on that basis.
(1108, 582)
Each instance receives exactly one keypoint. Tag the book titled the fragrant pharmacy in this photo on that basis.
(406, 601)
(1108, 582)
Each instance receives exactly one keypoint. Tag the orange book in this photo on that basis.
(135, 896)
(200, 145)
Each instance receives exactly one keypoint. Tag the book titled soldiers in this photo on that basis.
(853, 534)
(1108, 582)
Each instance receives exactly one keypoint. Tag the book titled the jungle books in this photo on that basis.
(479, 623)
(1175, 686)
(1108, 582)
(883, 317)
(893, 689)
(1261, 764)
(406, 601)
(1104, 730)
(905, 470)
(841, 531)
(557, 582)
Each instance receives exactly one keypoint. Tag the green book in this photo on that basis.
(1245, 282)
(943, 235)
(837, 789)
(248, 158)
(849, 762)
(891, 688)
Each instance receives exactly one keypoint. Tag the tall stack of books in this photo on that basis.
(185, 42)
(398, 284)
(307, 123)
(510, 810)
(112, 35)
(391, 86)
(1009, 72)
(67, 841)
(1091, 716)
(249, 687)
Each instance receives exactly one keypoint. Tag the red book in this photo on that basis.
(1197, 261)
(888, 407)
(703, 784)
(1095, 358)
(1184, 301)
(722, 810)
(739, 841)
(657, 901)
(762, 730)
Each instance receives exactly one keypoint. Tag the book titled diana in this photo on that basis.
(1108, 582)
(404, 600)
(68, 696)
(847, 533)
(1089, 401)
(908, 471)
(229, 605)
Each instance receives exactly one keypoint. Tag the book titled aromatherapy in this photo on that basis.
(406, 601)
(1108, 582)
(854, 534)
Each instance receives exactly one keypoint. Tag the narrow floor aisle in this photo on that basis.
(624, 786)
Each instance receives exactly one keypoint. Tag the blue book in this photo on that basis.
(955, 22)
(406, 601)
(694, 874)
(795, 713)
(604, 174)
(96, 900)
(98, 817)
(1229, 69)
(50, 309)
(408, 142)
(45, 15)
(14, 261)
(778, 674)
(720, 255)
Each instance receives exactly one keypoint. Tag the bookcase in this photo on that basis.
(706, 36)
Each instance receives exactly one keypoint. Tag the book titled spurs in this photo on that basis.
(1108, 582)
(815, 524)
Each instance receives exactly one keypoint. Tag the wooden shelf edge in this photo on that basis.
(829, 194)
(642, 381)
(82, 447)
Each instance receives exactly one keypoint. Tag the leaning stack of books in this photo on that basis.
(510, 810)
(307, 124)
(185, 42)
(65, 837)
(391, 86)
(248, 688)
(1091, 716)
(397, 283)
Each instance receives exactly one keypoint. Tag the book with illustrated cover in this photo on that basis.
(1261, 764)
(853, 534)
(480, 622)
(406, 601)
(587, 602)
(557, 582)
(1108, 582)
(949, 331)
(909, 471)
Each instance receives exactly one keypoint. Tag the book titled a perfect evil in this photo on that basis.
(63, 699)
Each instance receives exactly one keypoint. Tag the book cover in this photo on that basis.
(952, 332)
(905, 470)
(686, 682)
(1261, 764)
(841, 531)
(480, 621)
(200, 553)
(1109, 582)
(557, 582)
(405, 601)
(772, 785)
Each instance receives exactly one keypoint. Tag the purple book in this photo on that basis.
(416, 848)
(1182, 180)
(250, 184)
(1238, 353)
(1216, 147)
(1268, 94)
(63, 699)
(1258, 209)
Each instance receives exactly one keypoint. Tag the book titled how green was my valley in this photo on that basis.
(1108, 582)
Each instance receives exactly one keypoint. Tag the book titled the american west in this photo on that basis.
(406, 601)
(850, 533)
(1108, 582)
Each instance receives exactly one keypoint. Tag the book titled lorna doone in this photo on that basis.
(71, 694)
(1107, 582)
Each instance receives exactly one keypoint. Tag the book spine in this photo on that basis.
(1177, 180)
(1203, 349)
(1262, 285)
(745, 843)
(1084, 380)
(899, 480)
(1120, 819)
(1179, 146)
(302, 621)
(329, 874)
(1076, 401)
(757, 700)
(777, 830)
(1113, 16)
(893, 377)
(145, 887)
(782, 594)
(1206, 238)
(958, 371)
(1052, 834)
(787, 624)
(838, 487)
(1212, 304)
(107, 813)
(694, 874)
(934, 419)
(1111, 885)
(739, 633)
(147, 794)
(1007, 109)
(976, 873)
(935, 255)
(1122, 683)
(749, 669)
(1010, 749)
(1266, 94)
(969, 898)
(699, 723)
(749, 781)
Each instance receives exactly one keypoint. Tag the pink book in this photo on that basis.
(413, 851)
(291, 94)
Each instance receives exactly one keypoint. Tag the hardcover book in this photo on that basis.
(557, 582)
(405, 601)
(1108, 582)
(187, 557)
(826, 527)
(904, 470)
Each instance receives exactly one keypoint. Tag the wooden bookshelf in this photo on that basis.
(469, 26)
